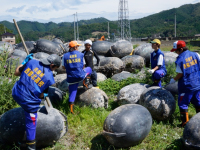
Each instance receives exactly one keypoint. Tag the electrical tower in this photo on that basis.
(123, 20)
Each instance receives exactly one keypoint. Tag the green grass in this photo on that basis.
(86, 126)
(168, 48)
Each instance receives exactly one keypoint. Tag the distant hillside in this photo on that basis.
(187, 16)
(188, 24)
(27, 26)
(3, 29)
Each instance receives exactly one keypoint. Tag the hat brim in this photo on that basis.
(172, 50)
(153, 42)
(45, 61)
(75, 45)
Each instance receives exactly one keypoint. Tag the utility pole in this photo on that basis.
(123, 20)
(77, 27)
(175, 26)
(108, 31)
(4, 29)
(74, 27)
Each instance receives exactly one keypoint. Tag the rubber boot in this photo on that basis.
(87, 83)
(71, 107)
(156, 83)
(197, 109)
(31, 145)
(184, 117)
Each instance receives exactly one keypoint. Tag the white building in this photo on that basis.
(8, 37)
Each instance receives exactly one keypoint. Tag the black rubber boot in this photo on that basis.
(197, 109)
(87, 83)
(31, 145)
(156, 83)
(184, 117)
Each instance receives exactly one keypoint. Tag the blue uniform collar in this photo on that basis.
(155, 52)
(183, 53)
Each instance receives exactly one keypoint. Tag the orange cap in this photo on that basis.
(73, 44)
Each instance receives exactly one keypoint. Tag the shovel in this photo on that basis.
(47, 102)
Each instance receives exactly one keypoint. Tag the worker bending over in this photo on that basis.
(188, 77)
(35, 79)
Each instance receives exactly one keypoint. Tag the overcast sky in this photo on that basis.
(63, 10)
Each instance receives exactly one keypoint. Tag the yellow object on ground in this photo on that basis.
(131, 52)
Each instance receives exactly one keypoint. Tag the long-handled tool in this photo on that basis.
(62, 48)
(47, 102)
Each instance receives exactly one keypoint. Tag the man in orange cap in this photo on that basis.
(188, 77)
(73, 62)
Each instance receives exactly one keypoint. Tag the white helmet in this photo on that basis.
(88, 42)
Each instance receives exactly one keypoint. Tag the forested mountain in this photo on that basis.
(3, 29)
(187, 16)
(27, 26)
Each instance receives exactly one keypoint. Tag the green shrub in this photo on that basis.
(136, 45)
(7, 81)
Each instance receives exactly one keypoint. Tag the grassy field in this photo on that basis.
(86, 125)
(191, 48)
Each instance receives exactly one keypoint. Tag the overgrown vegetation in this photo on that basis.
(7, 80)
(86, 125)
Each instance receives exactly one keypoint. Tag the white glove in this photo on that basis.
(151, 71)
(172, 81)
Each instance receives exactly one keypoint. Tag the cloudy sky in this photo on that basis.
(63, 10)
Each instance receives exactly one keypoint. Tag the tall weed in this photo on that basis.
(7, 81)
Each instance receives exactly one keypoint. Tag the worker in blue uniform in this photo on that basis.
(35, 79)
(158, 69)
(73, 62)
(188, 77)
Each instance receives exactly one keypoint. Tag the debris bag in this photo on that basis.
(49, 47)
(93, 97)
(191, 136)
(145, 51)
(40, 55)
(50, 126)
(160, 102)
(57, 40)
(14, 60)
(133, 63)
(122, 76)
(130, 94)
(121, 48)
(55, 95)
(29, 44)
(127, 125)
(20, 53)
(101, 47)
(110, 66)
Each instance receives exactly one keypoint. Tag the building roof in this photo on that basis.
(7, 34)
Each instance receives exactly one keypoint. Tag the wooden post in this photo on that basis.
(21, 36)
(62, 48)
